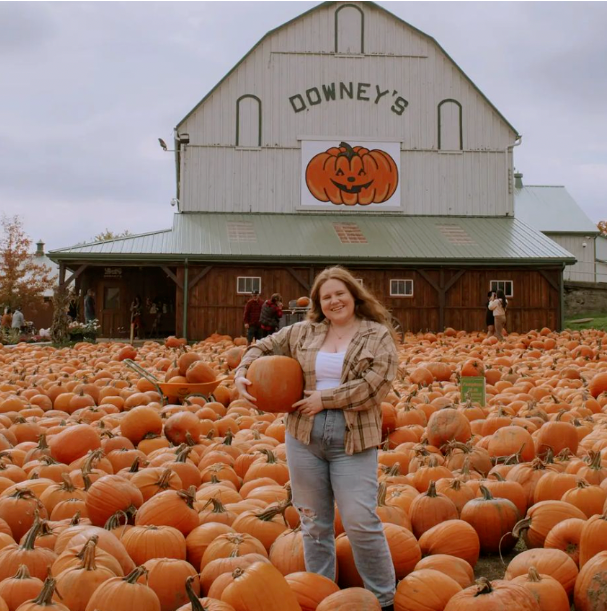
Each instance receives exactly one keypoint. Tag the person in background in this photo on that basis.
(252, 312)
(271, 313)
(489, 319)
(347, 352)
(89, 306)
(72, 307)
(498, 305)
(7, 319)
(136, 315)
(18, 321)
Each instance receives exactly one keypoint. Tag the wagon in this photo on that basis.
(175, 392)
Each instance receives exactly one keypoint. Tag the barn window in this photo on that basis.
(248, 284)
(401, 287)
(507, 286)
(349, 30)
(450, 131)
(248, 121)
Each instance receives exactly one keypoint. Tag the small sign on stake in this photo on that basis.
(472, 389)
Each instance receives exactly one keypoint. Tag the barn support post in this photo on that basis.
(186, 291)
(441, 289)
(562, 299)
(61, 275)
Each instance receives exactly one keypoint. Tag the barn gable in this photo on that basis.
(345, 70)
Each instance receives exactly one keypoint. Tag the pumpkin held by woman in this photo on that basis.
(276, 383)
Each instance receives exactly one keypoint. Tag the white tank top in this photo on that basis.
(328, 369)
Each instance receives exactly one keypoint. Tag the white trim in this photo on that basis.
(405, 281)
(245, 278)
(511, 295)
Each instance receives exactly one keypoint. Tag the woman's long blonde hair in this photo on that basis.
(366, 305)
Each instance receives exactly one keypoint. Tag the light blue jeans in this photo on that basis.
(322, 474)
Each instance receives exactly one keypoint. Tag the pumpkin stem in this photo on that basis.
(431, 489)
(67, 485)
(381, 494)
(135, 465)
(194, 600)
(88, 558)
(114, 521)
(42, 443)
(533, 575)
(23, 573)
(164, 480)
(394, 470)
(270, 456)
(486, 493)
(456, 485)
(484, 587)
(134, 576)
(75, 519)
(228, 438)
(267, 514)
(521, 526)
(349, 152)
(218, 507)
(45, 598)
(182, 455)
(498, 477)
(188, 496)
(32, 534)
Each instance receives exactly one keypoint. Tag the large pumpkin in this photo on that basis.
(276, 383)
(352, 175)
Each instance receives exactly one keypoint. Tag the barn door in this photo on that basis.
(110, 315)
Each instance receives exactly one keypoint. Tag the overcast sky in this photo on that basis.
(87, 89)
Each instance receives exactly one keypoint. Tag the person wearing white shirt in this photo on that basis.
(18, 319)
(498, 306)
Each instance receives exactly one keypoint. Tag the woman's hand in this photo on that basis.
(241, 384)
(310, 405)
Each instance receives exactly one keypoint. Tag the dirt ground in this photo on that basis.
(492, 567)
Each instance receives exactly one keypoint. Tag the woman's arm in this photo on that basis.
(373, 384)
(493, 304)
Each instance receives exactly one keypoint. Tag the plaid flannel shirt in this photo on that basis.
(370, 365)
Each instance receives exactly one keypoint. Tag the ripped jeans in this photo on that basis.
(321, 474)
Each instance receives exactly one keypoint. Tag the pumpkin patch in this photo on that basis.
(111, 497)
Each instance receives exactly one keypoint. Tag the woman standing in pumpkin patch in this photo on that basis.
(498, 306)
(347, 352)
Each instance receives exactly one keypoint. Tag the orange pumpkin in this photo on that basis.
(276, 383)
(352, 175)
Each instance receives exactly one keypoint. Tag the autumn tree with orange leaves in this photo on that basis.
(602, 225)
(22, 280)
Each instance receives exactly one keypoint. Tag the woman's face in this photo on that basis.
(336, 302)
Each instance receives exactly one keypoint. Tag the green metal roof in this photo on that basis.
(309, 237)
(551, 209)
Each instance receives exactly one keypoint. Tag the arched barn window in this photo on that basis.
(450, 131)
(349, 30)
(248, 121)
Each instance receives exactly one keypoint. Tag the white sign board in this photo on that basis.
(360, 175)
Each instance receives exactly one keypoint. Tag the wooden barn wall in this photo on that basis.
(214, 305)
(535, 302)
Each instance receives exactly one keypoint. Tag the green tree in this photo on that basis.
(22, 280)
(109, 235)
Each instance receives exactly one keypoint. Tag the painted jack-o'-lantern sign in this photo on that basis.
(352, 175)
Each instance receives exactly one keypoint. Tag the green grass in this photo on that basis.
(599, 321)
